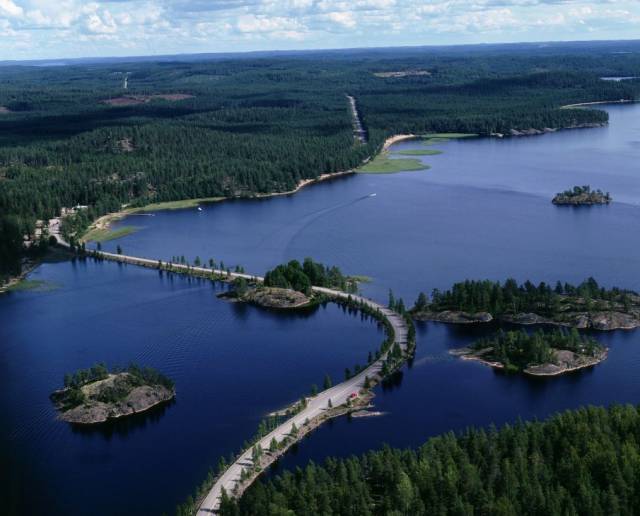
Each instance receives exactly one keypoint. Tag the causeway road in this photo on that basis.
(316, 405)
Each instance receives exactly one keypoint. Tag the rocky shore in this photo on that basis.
(564, 361)
(603, 320)
(270, 297)
(453, 317)
(100, 404)
(533, 132)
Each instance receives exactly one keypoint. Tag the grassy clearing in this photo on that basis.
(33, 285)
(418, 152)
(383, 165)
(176, 205)
(106, 234)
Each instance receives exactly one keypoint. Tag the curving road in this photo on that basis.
(338, 395)
(316, 405)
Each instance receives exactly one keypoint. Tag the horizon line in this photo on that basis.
(307, 51)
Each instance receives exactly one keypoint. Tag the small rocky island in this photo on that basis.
(268, 297)
(584, 306)
(96, 395)
(581, 196)
(289, 286)
(543, 353)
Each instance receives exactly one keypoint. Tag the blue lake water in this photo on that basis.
(482, 211)
(231, 363)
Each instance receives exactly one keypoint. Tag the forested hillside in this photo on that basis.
(255, 125)
(578, 462)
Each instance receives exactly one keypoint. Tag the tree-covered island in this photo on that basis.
(290, 285)
(586, 306)
(581, 196)
(96, 395)
(542, 353)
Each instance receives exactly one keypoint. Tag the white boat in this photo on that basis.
(373, 195)
(199, 208)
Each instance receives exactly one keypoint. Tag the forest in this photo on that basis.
(71, 135)
(584, 461)
(516, 350)
(302, 277)
(512, 298)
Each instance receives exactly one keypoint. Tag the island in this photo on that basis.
(289, 286)
(267, 297)
(581, 196)
(96, 395)
(584, 306)
(542, 353)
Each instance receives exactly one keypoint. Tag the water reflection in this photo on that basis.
(125, 426)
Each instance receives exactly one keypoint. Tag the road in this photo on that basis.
(358, 128)
(316, 405)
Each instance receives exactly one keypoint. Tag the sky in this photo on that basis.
(45, 29)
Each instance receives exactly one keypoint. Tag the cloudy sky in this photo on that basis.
(36, 29)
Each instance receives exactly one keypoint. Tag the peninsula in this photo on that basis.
(585, 306)
(543, 353)
(95, 395)
(581, 196)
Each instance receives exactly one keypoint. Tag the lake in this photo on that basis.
(232, 364)
(482, 211)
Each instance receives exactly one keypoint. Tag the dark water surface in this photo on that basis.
(231, 364)
(482, 211)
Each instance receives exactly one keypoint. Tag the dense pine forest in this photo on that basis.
(516, 350)
(302, 277)
(240, 126)
(578, 462)
(511, 298)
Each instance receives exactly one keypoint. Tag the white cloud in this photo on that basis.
(343, 18)
(9, 8)
(120, 26)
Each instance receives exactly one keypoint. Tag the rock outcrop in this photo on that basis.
(114, 397)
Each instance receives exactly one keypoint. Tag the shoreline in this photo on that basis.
(597, 103)
(61, 416)
(395, 139)
(531, 370)
(16, 280)
(583, 320)
(269, 457)
(105, 221)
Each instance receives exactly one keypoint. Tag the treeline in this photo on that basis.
(517, 350)
(262, 125)
(579, 462)
(302, 277)
(586, 191)
(85, 376)
(511, 298)
(147, 376)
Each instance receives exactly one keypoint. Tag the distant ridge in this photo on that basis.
(615, 46)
